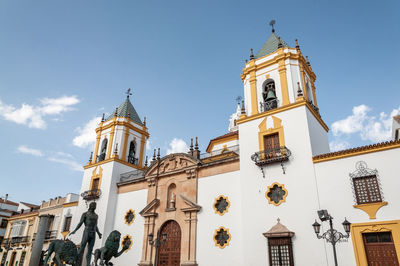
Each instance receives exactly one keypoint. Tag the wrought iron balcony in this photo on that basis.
(6, 241)
(269, 105)
(50, 235)
(100, 157)
(270, 156)
(91, 194)
(20, 239)
(133, 160)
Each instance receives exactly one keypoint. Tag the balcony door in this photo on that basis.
(271, 145)
(169, 254)
(380, 250)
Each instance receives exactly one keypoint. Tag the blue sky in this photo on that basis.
(64, 63)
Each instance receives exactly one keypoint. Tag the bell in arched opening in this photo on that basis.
(269, 95)
(103, 151)
(132, 153)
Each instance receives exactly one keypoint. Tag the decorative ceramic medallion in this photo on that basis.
(276, 194)
(221, 205)
(129, 217)
(127, 242)
(222, 237)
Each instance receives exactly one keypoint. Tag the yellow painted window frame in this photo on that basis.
(99, 175)
(357, 229)
(227, 207)
(263, 131)
(227, 241)
(284, 196)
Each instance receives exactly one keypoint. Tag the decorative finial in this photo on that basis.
(144, 121)
(279, 220)
(91, 157)
(238, 99)
(280, 45)
(154, 155)
(245, 61)
(297, 45)
(196, 146)
(158, 154)
(299, 92)
(308, 61)
(272, 23)
(116, 112)
(116, 149)
(145, 163)
(251, 54)
(243, 110)
(191, 144)
(102, 118)
(128, 92)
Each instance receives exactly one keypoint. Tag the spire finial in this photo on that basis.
(116, 112)
(158, 154)
(102, 118)
(91, 157)
(297, 44)
(154, 155)
(116, 149)
(191, 144)
(196, 146)
(128, 92)
(280, 45)
(308, 61)
(145, 163)
(144, 121)
(272, 23)
(251, 54)
(243, 110)
(299, 92)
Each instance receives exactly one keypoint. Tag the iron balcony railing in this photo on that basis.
(100, 157)
(269, 156)
(91, 194)
(16, 240)
(269, 105)
(133, 160)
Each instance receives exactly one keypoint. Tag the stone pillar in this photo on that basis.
(38, 243)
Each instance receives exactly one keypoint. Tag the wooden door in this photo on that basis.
(271, 145)
(169, 253)
(380, 249)
(95, 184)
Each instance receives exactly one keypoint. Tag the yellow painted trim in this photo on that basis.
(227, 241)
(371, 208)
(115, 159)
(284, 196)
(283, 78)
(142, 142)
(253, 90)
(99, 175)
(267, 76)
(263, 131)
(109, 150)
(303, 81)
(125, 144)
(70, 204)
(134, 216)
(96, 149)
(314, 94)
(358, 229)
(356, 153)
(227, 207)
(128, 125)
(220, 141)
(130, 238)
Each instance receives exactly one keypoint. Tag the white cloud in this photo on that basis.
(369, 127)
(66, 159)
(87, 134)
(338, 145)
(177, 145)
(148, 145)
(33, 116)
(26, 150)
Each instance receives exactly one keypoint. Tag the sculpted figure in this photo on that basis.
(65, 251)
(88, 218)
(110, 250)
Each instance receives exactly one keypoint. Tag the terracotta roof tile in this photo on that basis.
(357, 149)
(226, 135)
(8, 202)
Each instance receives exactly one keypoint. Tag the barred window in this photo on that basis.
(280, 251)
(366, 189)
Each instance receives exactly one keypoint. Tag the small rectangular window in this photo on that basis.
(366, 189)
(3, 223)
(67, 223)
(280, 251)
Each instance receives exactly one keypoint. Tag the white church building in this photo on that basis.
(252, 198)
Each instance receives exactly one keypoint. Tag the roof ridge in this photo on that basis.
(271, 45)
(126, 109)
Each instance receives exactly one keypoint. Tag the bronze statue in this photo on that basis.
(65, 251)
(88, 218)
(110, 250)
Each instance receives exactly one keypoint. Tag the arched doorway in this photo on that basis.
(169, 253)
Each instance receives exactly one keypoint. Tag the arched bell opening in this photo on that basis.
(270, 101)
(103, 150)
(132, 153)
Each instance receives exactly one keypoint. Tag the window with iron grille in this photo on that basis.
(280, 251)
(366, 189)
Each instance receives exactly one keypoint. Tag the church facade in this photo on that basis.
(253, 197)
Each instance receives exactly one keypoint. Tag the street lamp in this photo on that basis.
(157, 243)
(331, 235)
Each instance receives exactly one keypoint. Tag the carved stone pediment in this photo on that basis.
(149, 210)
(191, 206)
(172, 163)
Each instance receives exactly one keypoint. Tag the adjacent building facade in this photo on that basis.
(252, 197)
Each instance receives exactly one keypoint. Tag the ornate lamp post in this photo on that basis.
(331, 235)
(157, 243)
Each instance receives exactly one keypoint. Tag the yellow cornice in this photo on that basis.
(114, 159)
(220, 141)
(23, 216)
(356, 152)
(126, 124)
(70, 204)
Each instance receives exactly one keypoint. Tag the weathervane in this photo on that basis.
(128, 92)
(272, 23)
